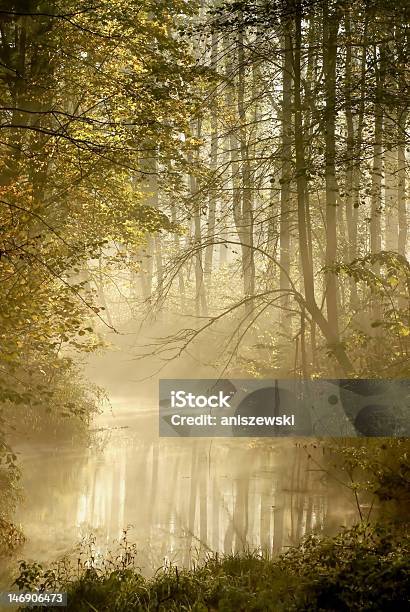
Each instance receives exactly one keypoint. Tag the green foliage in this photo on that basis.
(10, 535)
(382, 272)
(60, 406)
(379, 468)
(90, 94)
(365, 568)
(381, 347)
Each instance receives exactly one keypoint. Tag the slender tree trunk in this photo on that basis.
(376, 187)
(181, 282)
(240, 172)
(354, 145)
(391, 182)
(285, 180)
(376, 203)
(306, 261)
(209, 252)
(330, 30)
(153, 200)
(401, 183)
(350, 145)
(201, 306)
(159, 264)
(245, 229)
(200, 297)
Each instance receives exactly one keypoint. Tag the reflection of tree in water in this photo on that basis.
(251, 509)
(183, 498)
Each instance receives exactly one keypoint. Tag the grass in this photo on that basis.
(364, 568)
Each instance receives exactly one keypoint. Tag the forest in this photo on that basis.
(210, 189)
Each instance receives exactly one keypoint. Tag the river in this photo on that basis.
(178, 498)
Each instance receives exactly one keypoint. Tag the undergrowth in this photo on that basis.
(364, 568)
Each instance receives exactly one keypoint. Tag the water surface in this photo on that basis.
(179, 498)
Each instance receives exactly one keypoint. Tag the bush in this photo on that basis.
(377, 469)
(364, 568)
(60, 407)
(10, 535)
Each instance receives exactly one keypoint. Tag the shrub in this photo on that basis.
(364, 568)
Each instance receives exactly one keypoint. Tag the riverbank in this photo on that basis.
(364, 568)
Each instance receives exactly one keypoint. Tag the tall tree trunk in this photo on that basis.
(153, 201)
(240, 172)
(330, 30)
(401, 183)
(306, 260)
(391, 183)
(353, 145)
(285, 180)
(209, 252)
(376, 186)
(376, 204)
(201, 307)
(245, 228)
